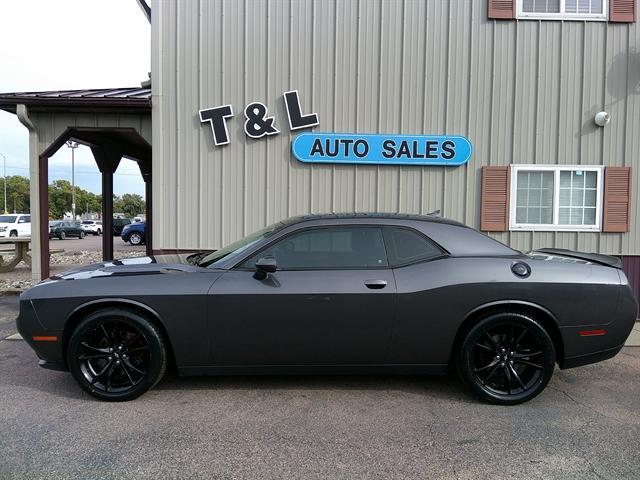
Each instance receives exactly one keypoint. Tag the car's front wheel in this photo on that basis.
(116, 354)
(506, 358)
(62, 235)
(135, 238)
(81, 235)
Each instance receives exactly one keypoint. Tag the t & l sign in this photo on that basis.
(258, 123)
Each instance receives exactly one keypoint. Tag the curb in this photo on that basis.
(12, 291)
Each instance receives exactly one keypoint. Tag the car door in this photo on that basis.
(331, 301)
(26, 226)
(21, 226)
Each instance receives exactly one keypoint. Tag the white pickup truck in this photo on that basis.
(15, 225)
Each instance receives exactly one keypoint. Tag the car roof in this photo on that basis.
(371, 215)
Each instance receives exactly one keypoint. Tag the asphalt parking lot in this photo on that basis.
(586, 425)
(91, 243)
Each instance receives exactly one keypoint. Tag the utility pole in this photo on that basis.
(73, 145)
(5, 183)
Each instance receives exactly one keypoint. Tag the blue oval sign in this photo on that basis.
(380, 149)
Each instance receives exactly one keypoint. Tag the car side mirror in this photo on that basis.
(264, 266)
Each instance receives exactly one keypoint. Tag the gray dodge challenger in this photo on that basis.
(335, 293)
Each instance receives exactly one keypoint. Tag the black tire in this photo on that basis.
(62, 235)
(135, 238)
(506, 358)
(116, 354)
(81, 235)
(99, 232)
(14, 233)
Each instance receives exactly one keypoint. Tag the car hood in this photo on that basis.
(153, 265)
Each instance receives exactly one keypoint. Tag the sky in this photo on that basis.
(66, 45)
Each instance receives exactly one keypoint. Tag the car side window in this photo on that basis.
(327, 248)
(27, 219)
(408, 246)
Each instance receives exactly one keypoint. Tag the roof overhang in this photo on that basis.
(114, 100)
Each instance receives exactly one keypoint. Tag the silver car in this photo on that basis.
(92, 226)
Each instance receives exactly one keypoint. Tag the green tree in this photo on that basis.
(60, 197)
(17, 194)
(131, 204)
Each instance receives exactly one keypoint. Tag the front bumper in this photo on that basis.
(46, 343)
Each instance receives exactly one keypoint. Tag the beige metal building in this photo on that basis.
(547, 94)
(524, 89)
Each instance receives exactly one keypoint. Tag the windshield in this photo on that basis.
(238, 247)
(54, 224)
(8, 218)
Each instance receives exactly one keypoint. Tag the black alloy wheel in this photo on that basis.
(116, 355)
(135, 238)
(507, 358)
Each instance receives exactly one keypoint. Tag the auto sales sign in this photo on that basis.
(344, 148)
(381, 149)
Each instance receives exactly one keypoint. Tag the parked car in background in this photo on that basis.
(134, 233)
(63, 230)
(15, 225)
(93, 227)
(118, 225)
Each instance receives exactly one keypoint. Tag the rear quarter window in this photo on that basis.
(405, 246)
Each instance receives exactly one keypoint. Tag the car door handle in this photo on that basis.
(375, 284)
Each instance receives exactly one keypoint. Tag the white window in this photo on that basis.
(554, 197)
(563, 9)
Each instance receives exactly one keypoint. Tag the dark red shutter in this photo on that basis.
(494, 211)
(617, 199)
(502, 9)
(622, 10)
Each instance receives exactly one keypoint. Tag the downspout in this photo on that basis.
(34, 190)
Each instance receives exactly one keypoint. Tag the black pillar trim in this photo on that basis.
(108, 160)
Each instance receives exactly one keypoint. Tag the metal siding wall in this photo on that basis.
(523, 92)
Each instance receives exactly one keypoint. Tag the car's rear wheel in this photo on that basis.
(62, 235)
(14, 233)
(81, 235)
(99, 232)
(135, 238)
(116, 354)
(506, 358)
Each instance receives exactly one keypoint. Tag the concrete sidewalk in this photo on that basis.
(634, 338)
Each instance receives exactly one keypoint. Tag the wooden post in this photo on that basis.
(145, 170)
(43, 176)
(108, 161)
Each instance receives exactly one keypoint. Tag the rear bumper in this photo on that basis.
(585, 344)
(588, 358)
